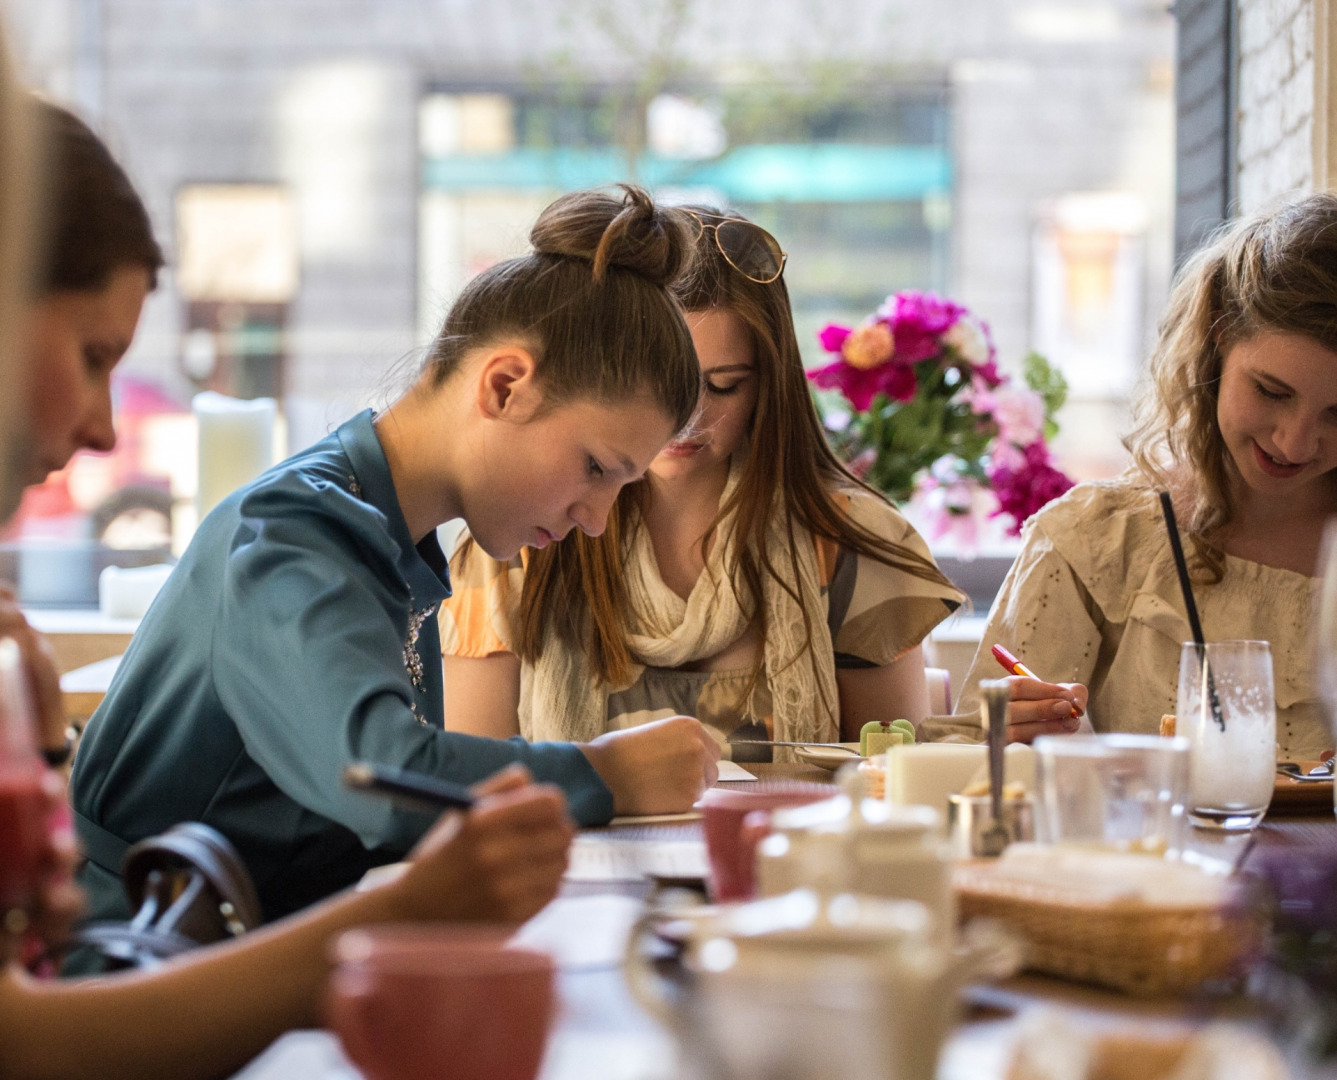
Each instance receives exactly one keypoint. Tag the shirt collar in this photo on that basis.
(423, 565)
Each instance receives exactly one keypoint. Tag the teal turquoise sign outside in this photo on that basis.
(815, 172)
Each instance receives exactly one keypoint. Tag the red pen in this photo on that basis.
(1013, 666)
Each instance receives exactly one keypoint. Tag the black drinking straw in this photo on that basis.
(1181, 566)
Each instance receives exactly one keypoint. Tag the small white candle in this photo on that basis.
(236, 443)
(126, 593)
(924, 774)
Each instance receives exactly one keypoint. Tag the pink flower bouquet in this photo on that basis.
(932, 415)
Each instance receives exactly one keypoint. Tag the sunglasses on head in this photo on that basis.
(748, 248)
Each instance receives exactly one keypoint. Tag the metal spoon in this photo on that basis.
(997, 696)
(1319, 774)
(811, 745)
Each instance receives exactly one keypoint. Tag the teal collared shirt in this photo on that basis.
(296, 635)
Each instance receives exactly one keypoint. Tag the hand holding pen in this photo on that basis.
(1039, 707)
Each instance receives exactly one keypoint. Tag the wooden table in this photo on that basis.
(602, 1033)
(80, 637)
(84, 688)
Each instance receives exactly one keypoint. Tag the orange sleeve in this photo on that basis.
(476, 620)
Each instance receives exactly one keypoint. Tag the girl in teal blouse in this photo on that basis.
(296, 634)
(206, 1013)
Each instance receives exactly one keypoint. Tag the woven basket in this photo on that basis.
(1126, 945)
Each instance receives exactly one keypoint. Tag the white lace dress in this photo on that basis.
(1094, 598)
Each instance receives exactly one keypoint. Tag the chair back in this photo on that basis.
(939, 691)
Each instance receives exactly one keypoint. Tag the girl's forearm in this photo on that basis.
(204, 1015)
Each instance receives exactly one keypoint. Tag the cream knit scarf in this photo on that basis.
(561, 698)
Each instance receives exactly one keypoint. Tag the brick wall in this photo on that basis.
(1276, 100)
(1203, 150)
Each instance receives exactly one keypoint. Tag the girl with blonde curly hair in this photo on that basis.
(1238, 420)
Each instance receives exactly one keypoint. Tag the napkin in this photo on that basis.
(582, 933)
(1112, 876)
(1058, 1045)
(606, 856)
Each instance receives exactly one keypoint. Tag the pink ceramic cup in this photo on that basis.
(731, 849)
(420, 1003)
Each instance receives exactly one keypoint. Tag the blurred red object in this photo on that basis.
(62, 509)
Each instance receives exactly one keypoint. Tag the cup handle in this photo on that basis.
(650, 989)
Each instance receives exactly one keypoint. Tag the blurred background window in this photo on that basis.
(860, 189)
(326, 176)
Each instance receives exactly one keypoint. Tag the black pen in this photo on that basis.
(414, 790)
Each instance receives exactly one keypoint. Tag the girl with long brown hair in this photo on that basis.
(1238, 421)
(750, 580)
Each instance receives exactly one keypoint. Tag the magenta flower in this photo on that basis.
(978, 396)
(833, 336)
(1006, 455)
(917, 333)
(989, 372)
(861, 385)
(951, 503)
(918, 320)
(956, 521)
(1024, 489)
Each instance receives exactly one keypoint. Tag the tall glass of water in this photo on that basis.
(1228, 711)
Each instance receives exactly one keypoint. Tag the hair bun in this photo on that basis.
(630, 232)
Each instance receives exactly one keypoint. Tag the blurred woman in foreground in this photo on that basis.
(208, 1013)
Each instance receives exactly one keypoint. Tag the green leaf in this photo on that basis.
(1048, 382)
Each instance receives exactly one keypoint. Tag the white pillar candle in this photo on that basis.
(236, 444)
(127, 592)
(924, 774)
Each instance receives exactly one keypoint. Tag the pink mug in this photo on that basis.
(731, 848)
(418, 1003)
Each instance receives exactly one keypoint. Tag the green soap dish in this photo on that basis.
(877, 736)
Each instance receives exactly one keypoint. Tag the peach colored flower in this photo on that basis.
(869, 346)
(968, 340)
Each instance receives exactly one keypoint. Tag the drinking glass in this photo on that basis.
(1227, 709)
(1122, 792)
(1325, 631)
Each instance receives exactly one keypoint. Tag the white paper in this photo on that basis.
(315, 1055)
(645, 1053)
(731, 771)
(582, 932)
(604, 856)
